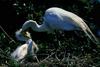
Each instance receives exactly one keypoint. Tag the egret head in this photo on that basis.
(22, 36)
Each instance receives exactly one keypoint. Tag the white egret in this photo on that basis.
(23, 50)
(59, 19)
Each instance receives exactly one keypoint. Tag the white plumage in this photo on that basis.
(23, 50)
(60, 19)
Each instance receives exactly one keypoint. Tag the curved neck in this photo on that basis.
(39, 28)
(34, 26)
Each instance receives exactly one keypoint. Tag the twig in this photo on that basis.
(12, 40)
(57, 57)
(3, 54)
(64, 56)
(36, 58)
(48, 57)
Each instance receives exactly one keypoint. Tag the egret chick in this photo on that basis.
(27, 48)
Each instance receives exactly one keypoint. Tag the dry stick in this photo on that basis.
(64, 56)
(57, 57)
(12, 40)
(48, 57)
(37, 59)
(2, 54)
(56, 51)
(51, 55)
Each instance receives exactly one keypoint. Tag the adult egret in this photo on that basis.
(59, 19)
(23, 50)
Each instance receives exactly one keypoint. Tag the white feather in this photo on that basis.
(60, 19)
(23, 50)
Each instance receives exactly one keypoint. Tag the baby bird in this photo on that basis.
(27, 48)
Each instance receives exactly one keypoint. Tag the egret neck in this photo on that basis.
(34, 26)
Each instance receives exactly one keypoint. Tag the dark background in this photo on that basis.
(11, 21)
(77, 49)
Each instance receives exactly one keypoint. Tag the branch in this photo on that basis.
(12, 40)
(47, 57)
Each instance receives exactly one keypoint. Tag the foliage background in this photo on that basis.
(71, 49)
